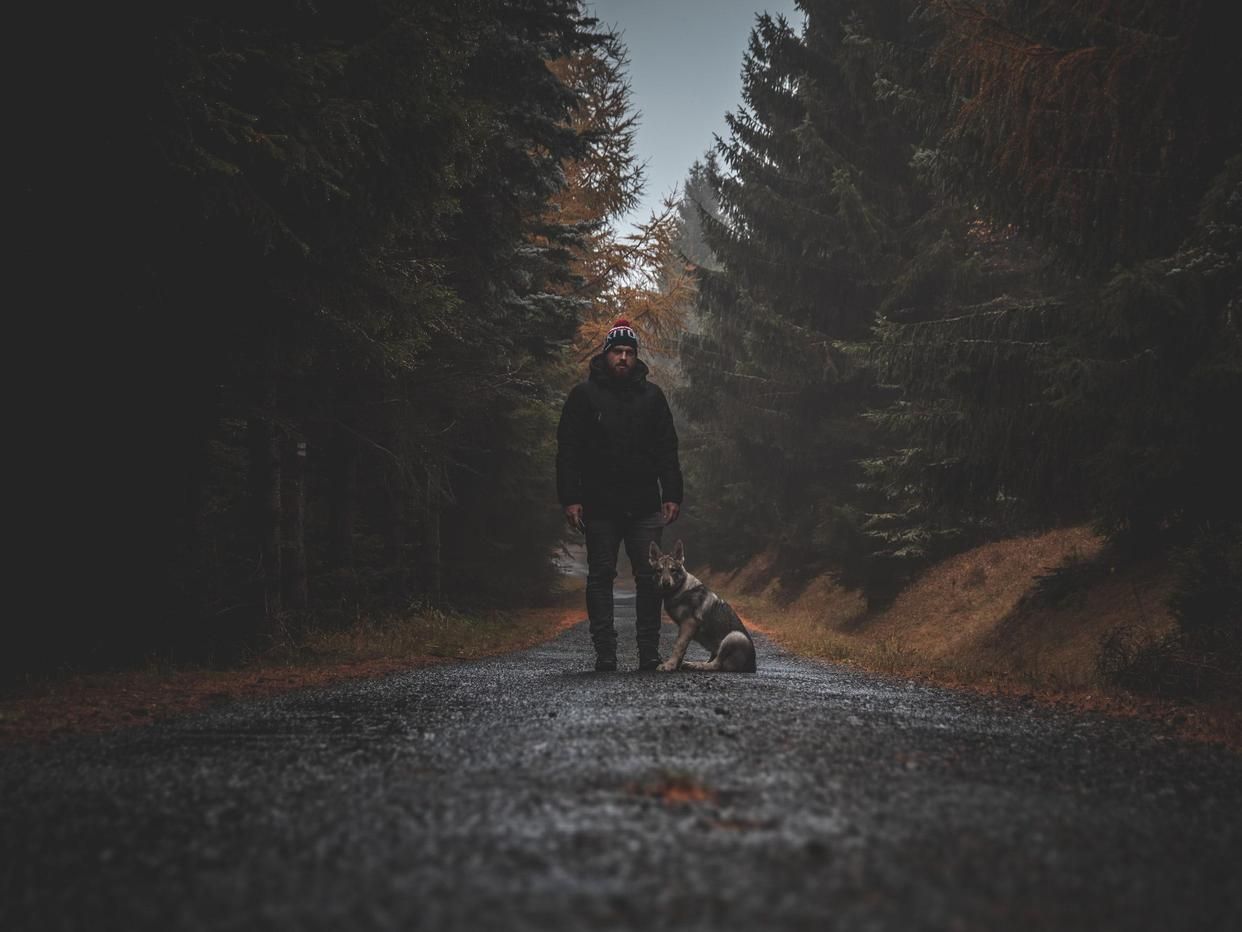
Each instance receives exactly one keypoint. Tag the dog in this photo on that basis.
(700, 615)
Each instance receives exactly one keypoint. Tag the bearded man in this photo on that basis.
(619, 479)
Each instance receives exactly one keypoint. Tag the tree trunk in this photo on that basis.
(433, 568)
(265, 502)
(293, 521)
(395, 540)
(343, 486)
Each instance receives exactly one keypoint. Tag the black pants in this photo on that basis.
(603, 539)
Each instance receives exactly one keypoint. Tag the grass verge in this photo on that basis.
(86, 703)
(978, 621)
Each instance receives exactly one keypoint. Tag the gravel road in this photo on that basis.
(526, 793)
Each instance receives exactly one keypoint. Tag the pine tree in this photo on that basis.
(1083, 125)
(924, 192)
(338, 228)
(696, 203)
(1092, 124)
(614, 275)
(1101, 388)
(813, 192)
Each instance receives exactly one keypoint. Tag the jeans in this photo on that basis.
(603, 538)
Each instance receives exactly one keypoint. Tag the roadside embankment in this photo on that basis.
(86, 703)
(979, 621)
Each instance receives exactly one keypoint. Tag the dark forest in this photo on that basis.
(959, 271)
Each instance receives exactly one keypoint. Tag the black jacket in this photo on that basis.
(616, 446)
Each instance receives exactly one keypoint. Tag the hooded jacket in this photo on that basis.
(616, 445)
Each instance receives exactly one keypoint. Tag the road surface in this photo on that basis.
(524, 792)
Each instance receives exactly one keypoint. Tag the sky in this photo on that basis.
(685, 74)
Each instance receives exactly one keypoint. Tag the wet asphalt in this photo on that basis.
(525, 792)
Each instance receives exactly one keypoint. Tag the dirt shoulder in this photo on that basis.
(91, 703)
(974, 622)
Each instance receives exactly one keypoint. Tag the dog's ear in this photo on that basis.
(653, 553)
(679, 552)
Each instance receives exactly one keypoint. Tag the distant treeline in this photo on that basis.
(971, 268)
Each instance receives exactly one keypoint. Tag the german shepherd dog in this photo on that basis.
(700, 615)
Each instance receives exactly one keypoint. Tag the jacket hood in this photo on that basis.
(599, 372)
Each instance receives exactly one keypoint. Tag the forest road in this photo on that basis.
(524, 793)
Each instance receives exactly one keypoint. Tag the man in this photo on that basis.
(618, 479)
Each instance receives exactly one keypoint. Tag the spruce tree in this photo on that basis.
(1083, 127)
(813, 190)
(337, 236)
(1012, 332)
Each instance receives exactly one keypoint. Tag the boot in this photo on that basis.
(648, 656)
(605, 658)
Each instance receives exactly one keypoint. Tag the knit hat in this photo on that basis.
(621, 334)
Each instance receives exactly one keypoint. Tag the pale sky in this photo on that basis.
(685, 74)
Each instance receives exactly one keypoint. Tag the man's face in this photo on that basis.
(620, 360)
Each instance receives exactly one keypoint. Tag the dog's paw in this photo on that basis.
(667, 667)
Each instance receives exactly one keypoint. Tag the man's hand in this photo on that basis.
(671, 511)
(573, 514)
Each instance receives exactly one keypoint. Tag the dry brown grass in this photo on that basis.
(966, 623)
(435, 635)
(97, 702)
(963, 614)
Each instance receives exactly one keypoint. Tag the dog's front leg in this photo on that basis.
(685, 635)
